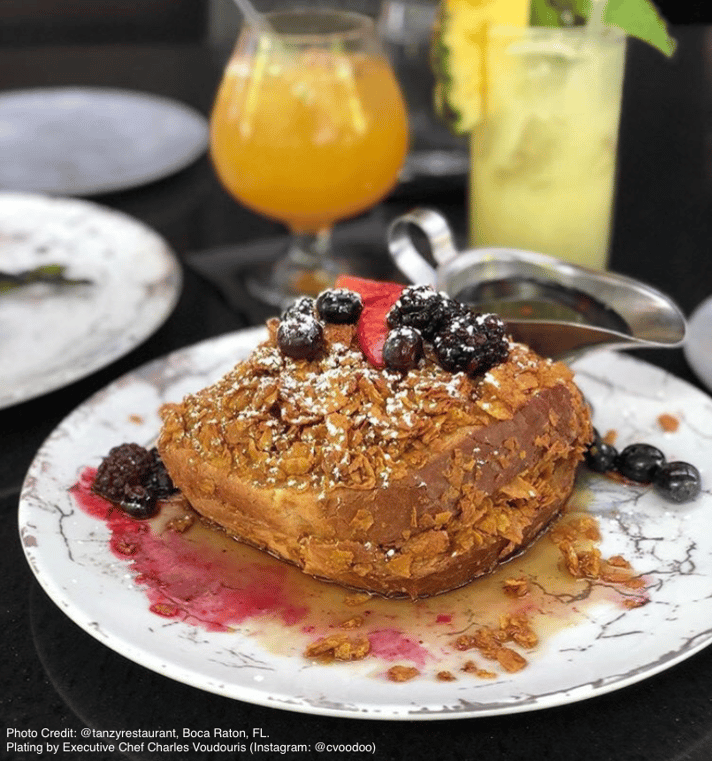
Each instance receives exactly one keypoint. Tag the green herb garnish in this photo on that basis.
(637, 18)
(53, 274)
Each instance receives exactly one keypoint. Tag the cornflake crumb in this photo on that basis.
(510, 660)
(490, 641)
(181, 524)
(356, 599)
(668, 423)
(576, 541)
(402, 673)
(589, 564)
(516, 587)
(339, 647)
(611, 436)
(470, 667)
(446, 676)
(635, 602)
(352, 623)
(575, 530)
(581, 564)
(518, 629)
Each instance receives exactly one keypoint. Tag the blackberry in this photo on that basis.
(639, 462)
(159, 483)
(300, 336)
(448, 311)
(134, 478)
(471, 343)
(424, 309)
(403, 348)
(125, 465)
(302, 305)
(677, 481)
(339, 306)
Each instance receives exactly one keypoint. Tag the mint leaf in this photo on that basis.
(640, 18)
(637, 18)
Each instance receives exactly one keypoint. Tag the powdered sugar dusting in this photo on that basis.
(336, 420)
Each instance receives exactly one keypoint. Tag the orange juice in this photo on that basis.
(311, 138)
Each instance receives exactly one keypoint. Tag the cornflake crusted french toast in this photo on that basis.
(383, 438)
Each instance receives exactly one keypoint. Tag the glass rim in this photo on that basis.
(355, 25)
(608, 33)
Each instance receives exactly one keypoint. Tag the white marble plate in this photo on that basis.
(609, 649)
(84, 140)
(698, 342)
(51, 336)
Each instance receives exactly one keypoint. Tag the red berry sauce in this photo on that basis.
(204, 578)
(190, 581)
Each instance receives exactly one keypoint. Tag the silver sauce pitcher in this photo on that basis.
(624, 313)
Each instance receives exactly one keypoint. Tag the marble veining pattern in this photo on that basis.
(51, 336)
(609, 649)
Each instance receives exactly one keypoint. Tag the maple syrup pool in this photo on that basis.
(535, 299)
(197, 574)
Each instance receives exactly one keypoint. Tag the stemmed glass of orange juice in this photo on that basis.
(309, 127)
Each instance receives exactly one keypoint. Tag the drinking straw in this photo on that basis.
(255, 18)
(594, 23)
(594, 27)
(268, 40)
(269, 37)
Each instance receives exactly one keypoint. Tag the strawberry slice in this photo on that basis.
(378, 297)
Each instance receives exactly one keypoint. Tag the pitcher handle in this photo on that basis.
(404, 253)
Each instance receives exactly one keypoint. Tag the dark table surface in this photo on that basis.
(55, 676)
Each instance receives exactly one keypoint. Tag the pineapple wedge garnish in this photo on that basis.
(459, 54)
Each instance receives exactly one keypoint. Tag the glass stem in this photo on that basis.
(309, 266)
(311, 250)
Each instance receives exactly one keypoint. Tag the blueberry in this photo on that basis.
(677, 481)
(402, 348)
(339, 306)
(601, 456)
(300, 336)
(639, 462)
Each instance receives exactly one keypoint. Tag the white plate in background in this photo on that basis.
(698, 343)
(51, 336)
(83, 141)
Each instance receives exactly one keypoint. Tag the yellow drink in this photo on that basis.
(311, 138)
(544, 158)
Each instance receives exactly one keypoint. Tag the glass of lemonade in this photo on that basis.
(544, 156)
(309, 127)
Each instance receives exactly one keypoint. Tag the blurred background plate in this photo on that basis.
(84, 141)
(53, 335)
(698, 344)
